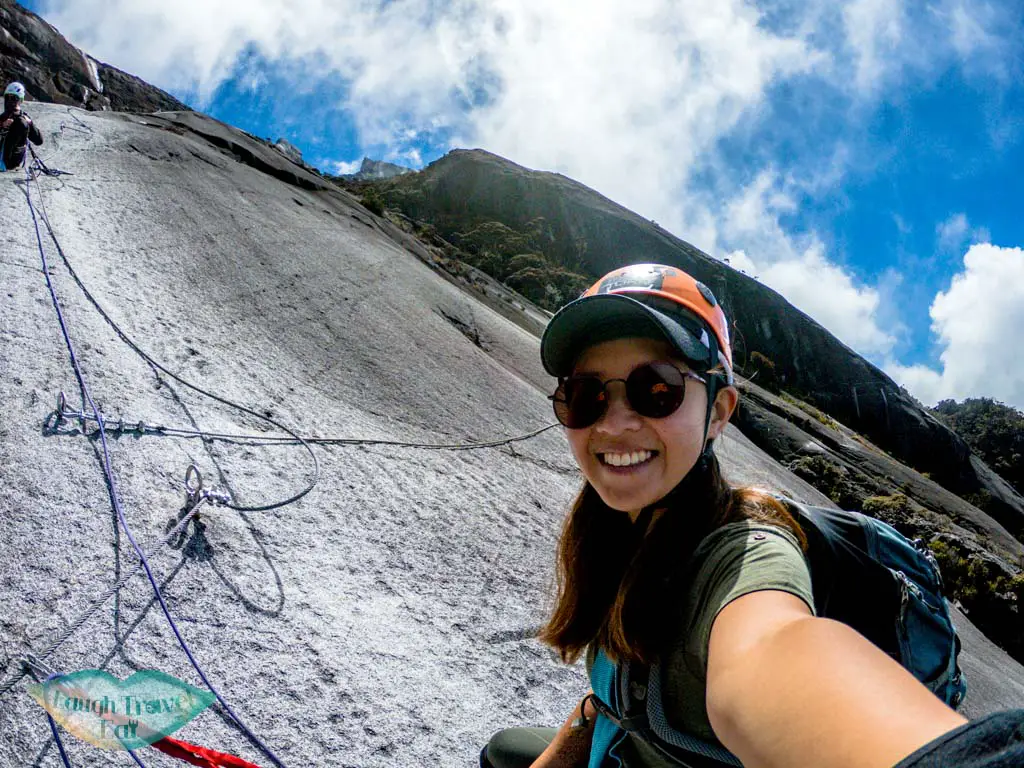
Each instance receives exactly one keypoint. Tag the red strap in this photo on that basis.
(201, 756)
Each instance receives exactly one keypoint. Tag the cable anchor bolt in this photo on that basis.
(196, 492)
(34, 666)
(62, 412)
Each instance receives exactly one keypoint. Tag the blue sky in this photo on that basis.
(862, 158)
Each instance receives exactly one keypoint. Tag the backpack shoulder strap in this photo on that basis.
(645, 717)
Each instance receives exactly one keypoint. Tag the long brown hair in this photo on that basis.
(614, 583)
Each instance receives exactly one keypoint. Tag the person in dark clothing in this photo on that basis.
(16, 129)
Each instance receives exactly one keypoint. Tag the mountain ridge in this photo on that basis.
(468, 186)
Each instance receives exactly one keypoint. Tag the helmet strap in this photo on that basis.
(712, 390)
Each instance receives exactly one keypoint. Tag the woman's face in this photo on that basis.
(666, 448)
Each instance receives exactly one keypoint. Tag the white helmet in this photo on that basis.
(15, 89)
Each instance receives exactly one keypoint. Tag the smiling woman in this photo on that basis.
(665, 569)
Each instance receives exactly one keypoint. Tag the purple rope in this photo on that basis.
(60, 744)
(112, 488)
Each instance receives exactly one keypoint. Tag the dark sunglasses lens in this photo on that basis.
(656, 390)
(580, 401)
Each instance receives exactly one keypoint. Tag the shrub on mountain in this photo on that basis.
(372, 201)
(894, 509)
(993, 430)
(829, 477)
(486, 261)
(408, 200)
(546, 285)
(761, 370)
(523, 261)
(989, 594)
(495, 237)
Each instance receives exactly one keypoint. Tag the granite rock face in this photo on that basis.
(53, 70)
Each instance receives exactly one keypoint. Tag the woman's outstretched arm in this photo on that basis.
(787, 689)
(571, 746)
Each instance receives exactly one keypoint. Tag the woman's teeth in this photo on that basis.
(626, 459)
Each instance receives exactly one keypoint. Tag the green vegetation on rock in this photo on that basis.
(522, 258)
(990, 595)
(993, 430)
(820, 416)
(761, 370)
(886, 507)
(830, 478)
(372, 201)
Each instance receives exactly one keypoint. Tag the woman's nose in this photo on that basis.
(620, 416)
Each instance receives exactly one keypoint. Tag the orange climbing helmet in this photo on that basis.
(649, 300)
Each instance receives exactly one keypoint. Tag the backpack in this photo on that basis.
(864, 573)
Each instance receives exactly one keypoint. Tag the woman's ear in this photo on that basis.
(725, 403)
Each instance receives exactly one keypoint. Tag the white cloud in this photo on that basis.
(968, 32)
(830, 295)
(343, 168)
(977, 321)
(901, 224)
(977, 32)
(955, 232)
(625, 98)
(874, 30)
(890, 41)
(606, 91)
(952, 232)
(796, 266)
(739, 260)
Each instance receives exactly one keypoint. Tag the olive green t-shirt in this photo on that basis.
(735, 560)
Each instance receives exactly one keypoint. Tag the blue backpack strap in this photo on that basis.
(645, 717)
(928, 641)
(666, 733)
(608, 733)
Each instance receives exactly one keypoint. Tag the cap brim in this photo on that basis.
(603, 317)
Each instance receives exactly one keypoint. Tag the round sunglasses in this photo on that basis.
(654, 390)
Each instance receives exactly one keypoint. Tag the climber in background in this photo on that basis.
(16, 129)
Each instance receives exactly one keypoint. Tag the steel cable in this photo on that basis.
(154, 363)
(141, 428)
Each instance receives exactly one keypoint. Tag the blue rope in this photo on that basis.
(112, 488)
(60, 744)
(56, 733)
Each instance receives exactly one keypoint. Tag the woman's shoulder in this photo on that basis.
(748, 555)
(745, 535)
